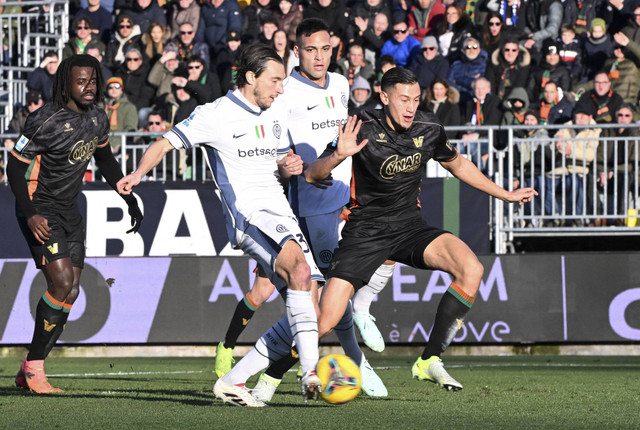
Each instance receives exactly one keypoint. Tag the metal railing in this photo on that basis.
(34, 31)
(570, 203)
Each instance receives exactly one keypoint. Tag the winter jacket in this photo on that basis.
(428, 70)
(504, 76)
(463, 72)
(215, 23)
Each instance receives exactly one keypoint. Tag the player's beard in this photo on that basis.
(261, 103)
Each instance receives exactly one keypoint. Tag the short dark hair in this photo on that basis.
(309, 26)
(395, 76)
(254, 59)
(61, 82)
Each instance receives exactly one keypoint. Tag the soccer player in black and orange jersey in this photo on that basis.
(45, 172)
(384, 221)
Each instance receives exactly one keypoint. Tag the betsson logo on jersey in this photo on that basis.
(329, 123)
(258, 152)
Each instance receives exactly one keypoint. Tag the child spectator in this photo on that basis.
(595, 49)
(570, 52)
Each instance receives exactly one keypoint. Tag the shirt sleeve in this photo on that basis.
(444, 151)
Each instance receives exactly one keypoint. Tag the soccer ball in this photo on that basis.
(341, 379)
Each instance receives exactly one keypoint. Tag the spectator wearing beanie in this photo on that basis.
(429, 65)
(122, 114)
(595, 49)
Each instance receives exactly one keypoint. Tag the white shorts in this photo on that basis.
(323, 232)
(263, 239)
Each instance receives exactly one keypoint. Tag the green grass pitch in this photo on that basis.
(515, 392)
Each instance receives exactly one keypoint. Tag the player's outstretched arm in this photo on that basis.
(346, 146)
(152, 156)
(468, 173)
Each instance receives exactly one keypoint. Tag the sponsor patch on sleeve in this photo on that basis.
(21, 143)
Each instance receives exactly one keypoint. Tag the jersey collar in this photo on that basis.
(295, 74)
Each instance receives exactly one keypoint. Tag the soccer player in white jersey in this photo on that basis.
(241, 137)
(316, 105)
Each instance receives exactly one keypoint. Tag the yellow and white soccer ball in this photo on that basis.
(341, 379)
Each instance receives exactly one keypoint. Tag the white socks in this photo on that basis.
(365, 295)
(301, 314)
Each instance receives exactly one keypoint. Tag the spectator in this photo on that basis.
(624, 68)
(126, 36)
(515, 106)
(508, 67)
(122, 114)
(483, 109)
(33, 102)
(585, 12)
(186, 46)
(542, 20)
(578, 148)
(430, 65)
(615, 167)
(425, 18)
(226, 62)
(201, 83)
(267, 30)
(531, 156)
(101, 18)
(595, 49)
(492, 32)
(9, 36)
(442, 100)
(402, 47)
(333, 12)
(155, 124)
(632, 29)
(355, 65)
(134, 72)
(470, 66)
(181, 12)
(83, 37)
(551, 69)
(153, 43)
(289, 15)
(99, 55)
(456, 27)
(363, 11)
(571, 52)
(161, 74)
(41, 79)
(217, 18)
(509, 10)
(253, 16)
(145, 12)
(338, 50)
(282, 45)
(603, 99)
(554, 108)
(360, 97)
(373, 37)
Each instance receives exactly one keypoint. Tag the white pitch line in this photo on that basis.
(449, 366)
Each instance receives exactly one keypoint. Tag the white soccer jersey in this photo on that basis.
(242, 145)
(314, 115)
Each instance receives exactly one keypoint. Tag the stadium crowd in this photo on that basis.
(479, 62)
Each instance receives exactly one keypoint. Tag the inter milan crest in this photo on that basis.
(277, 130)
(345, 100)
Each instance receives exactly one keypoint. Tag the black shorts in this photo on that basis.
(67, 239)
(366, 245)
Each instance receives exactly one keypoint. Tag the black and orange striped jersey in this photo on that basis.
(58, 144)
(388, 171)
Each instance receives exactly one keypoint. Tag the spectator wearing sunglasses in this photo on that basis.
(401, 47)
(181, 12)
(126, 36)
(470, 66)
(83, 37)
(122, 114)
(508, 68)
(134, 72)
(145, 12)
(186, 46)
(430, 65)
(492, 32)
(101, 18)
(202, 84)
